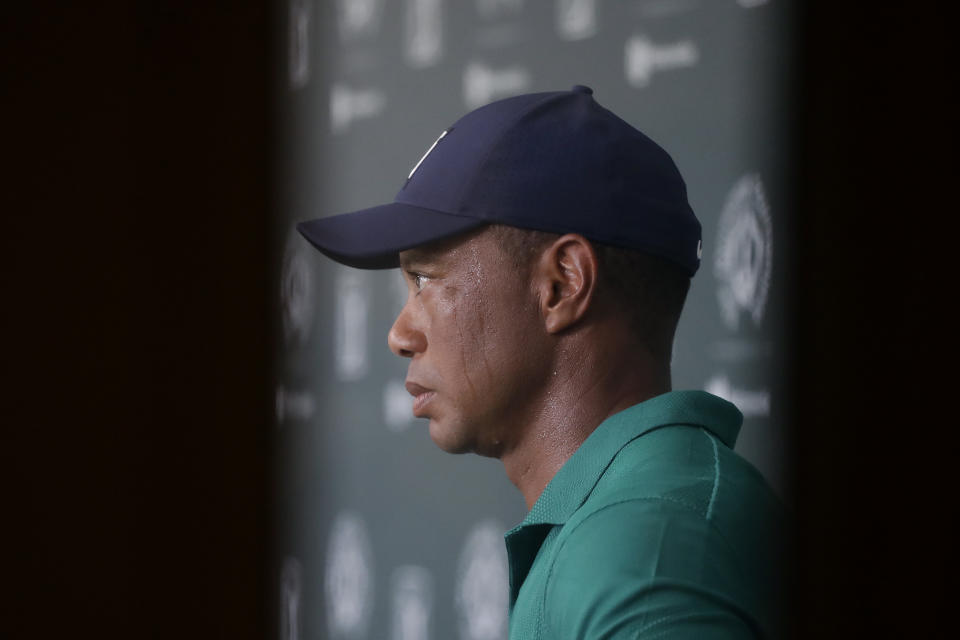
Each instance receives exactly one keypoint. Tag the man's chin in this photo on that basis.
(445, 440)
(452, 441)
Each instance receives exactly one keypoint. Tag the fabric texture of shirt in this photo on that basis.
(654, 528)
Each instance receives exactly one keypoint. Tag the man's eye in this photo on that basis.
(418, 280)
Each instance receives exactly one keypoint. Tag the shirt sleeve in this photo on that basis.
(646, 568)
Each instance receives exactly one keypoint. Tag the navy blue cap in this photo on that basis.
(556, 162)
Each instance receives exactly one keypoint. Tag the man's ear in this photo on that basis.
(566, 278)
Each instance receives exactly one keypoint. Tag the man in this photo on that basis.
(548, 248)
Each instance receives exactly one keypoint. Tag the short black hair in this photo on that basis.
(649, 289)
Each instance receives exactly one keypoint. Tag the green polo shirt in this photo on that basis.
(654, 528)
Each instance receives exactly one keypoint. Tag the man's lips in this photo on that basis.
(421, 396)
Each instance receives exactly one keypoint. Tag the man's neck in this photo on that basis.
(583, 393)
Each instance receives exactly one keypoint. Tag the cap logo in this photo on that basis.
(417, 166)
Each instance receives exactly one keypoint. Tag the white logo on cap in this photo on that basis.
(417, 166)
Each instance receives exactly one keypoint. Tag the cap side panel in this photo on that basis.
(444, 176)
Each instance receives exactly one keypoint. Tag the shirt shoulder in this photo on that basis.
(677, 528)
(690, 467)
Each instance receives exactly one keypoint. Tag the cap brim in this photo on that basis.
(373, 238)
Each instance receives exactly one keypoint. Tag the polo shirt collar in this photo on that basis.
(574, 482)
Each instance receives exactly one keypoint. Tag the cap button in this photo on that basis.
(579, 88)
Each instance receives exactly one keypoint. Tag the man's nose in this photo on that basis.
(404, 339)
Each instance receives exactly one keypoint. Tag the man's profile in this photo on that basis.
(548, 248)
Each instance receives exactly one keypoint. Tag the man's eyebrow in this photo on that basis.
(417, 256)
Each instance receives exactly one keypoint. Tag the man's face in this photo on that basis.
(478, 350)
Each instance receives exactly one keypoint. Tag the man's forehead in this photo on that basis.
(438, 251)
(420, 255)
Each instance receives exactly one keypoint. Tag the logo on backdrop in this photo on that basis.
(358, 18)
(397, 406)
(350, 324)
(483, 84)
(293, 404)
(297, 297)
(663, 8)
(643, 58)
(752, 403)
(482, 591)
(349, 577)
(423, 36)
(299, 43)
(744, 252)
(412, 589)
(496, 8)
(399, 292)
(290, 591)
(576, 19)
(348, 105)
